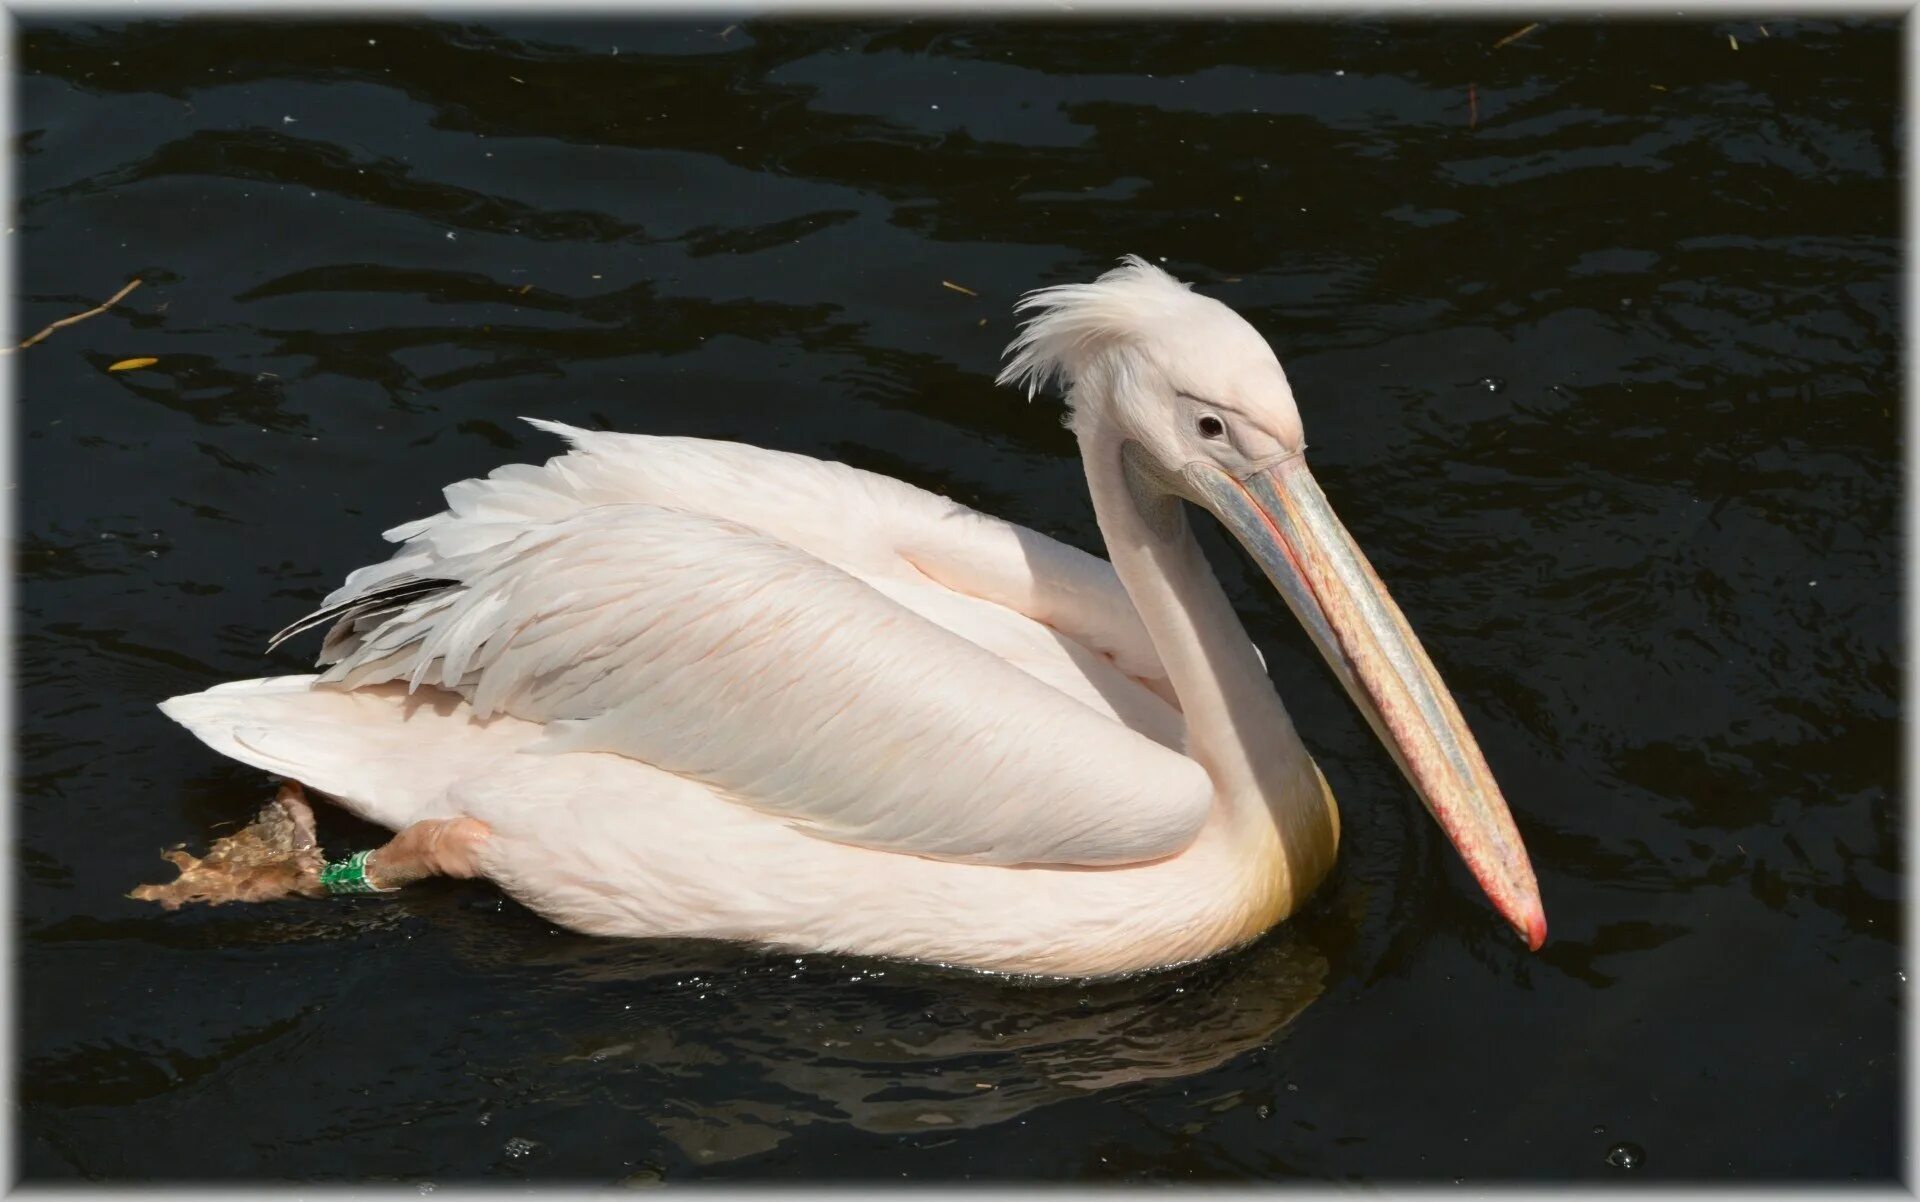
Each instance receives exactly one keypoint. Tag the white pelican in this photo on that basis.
(677, 687)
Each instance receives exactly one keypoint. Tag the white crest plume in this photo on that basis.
(1076, 323)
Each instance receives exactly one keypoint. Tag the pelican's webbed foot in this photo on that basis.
(276, 855)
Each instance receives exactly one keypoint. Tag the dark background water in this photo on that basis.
(1596, 336)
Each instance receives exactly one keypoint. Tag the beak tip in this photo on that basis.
(1532, 926)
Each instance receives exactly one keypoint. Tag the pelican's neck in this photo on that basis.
(1237, 728)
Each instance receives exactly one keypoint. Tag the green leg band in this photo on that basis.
(350, 876)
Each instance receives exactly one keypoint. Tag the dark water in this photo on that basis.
(1596, 336)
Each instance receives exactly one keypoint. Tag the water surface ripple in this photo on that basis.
(1595, 336)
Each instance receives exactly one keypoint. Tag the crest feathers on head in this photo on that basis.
(1072, 323)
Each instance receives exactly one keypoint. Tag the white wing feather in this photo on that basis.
(749, 620)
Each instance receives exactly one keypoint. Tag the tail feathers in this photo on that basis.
(389, 756)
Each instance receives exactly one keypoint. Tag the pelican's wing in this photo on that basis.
(782, 680)
(873, 526)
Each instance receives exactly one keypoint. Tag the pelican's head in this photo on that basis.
(1181, 375)
(1199, 408)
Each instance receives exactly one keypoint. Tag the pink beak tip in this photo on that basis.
(1533, 926)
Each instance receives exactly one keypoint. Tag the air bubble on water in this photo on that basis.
(1263, 1111)
(1626, 1156)
(520, 1146)
(1491, 383)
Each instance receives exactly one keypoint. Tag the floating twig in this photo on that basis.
(98, 309)
(958, 287)
(1516, 35)
(1473, 108)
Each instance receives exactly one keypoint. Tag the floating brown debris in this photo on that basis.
(98, 309)
(1516, 35)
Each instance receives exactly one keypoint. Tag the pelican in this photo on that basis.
(673, 687)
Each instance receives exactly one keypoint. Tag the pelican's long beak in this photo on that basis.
(1283, 519)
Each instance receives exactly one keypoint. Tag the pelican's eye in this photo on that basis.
(1212, 427)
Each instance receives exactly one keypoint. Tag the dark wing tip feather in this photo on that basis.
(380, 600)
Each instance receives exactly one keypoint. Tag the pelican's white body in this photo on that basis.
(704, 689)
(701, 689)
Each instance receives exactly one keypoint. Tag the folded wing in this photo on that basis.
(800, 680)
